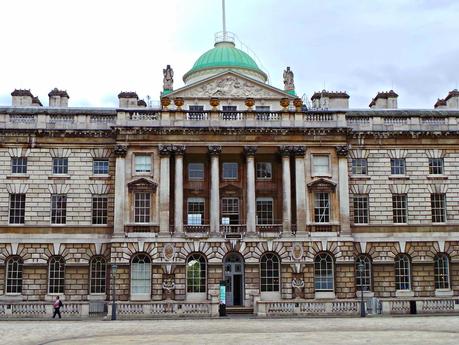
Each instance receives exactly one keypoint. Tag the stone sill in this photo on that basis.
(444, 293)
(18, 176)
(322, 176)
(100, 177)
(404, 293)
(59, 177)
(97, 297)
(366, 294)
(17, 297)
(325, 295)
(437, 177)
(398, 177)
(360, 177)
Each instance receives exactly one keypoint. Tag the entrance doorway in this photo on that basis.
(233, 266)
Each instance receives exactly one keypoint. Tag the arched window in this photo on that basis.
(98, 267)
(363, 277)
(141, 275)
(269, 272)
(196, 271)
(441, 271)
(402, 272)
(324, 272)
(56, 266)
(14, 275)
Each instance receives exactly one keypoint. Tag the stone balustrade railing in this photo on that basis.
(104, 119)
(126, 310)
(42, 309)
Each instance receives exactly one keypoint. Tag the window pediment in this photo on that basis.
(230, 189)
(142, 184)
(322, 185)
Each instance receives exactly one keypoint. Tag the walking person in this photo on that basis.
(57, 307)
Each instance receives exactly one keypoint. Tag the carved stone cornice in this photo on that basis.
(342, 150)
(299, 151)
(250, 150)
(120, 151)
(179, 150)
(214, 150)
(285, 150)
(165, 150)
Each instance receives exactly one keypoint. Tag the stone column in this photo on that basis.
(300, 189)
(164, 189)
(120, 189)
(250, 152)
(343, 179)
(286, 189)
(179, 151)
(214, 151)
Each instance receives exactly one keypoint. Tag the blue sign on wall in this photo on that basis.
(222, 292)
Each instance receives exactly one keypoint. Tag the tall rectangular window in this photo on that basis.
(58, 208)
(359, 166)
(195, 208)
(399, 208)
(360, 209)
(436, 166)
(196, 112)
(230, 171)
(19, 165)
(142, 205)
(438, 203)
(60, 165)
(230, 211)
(100, 167)
(320, 165)
(17, 208)
(265, 211)
(264, 171)
(397, 166)
(196, 171)
(142, 163)
(321, 207)
(99, 209)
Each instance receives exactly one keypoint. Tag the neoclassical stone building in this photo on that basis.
(230, 179)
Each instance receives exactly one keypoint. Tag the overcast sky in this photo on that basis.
(94, 49)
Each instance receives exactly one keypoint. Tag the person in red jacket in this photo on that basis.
(57, 307)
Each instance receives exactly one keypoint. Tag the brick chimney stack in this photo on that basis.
(384, 100)
(330, 100)
(58, 98)
(128, 100)
(21, 98)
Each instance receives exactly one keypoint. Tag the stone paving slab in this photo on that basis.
(325, 331)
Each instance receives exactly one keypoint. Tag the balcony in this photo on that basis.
(269, 230)
(323, 228)
(196, 231)
(141, 228)
(233, 231)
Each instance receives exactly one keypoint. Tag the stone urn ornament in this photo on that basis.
(298, 103)
(214, 102)
(179, 103)
(165, 102)
(284, 102)
(249, 102)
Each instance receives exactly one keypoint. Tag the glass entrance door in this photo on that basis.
(234, 277)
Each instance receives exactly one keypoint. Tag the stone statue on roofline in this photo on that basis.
(288, 80)
(168, 80)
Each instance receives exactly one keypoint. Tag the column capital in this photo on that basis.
(285, 150)
(120, 150)
(165, 150)
(342, 150)
(250, 150)
(179, 150)
(214, 150)
(299, 151)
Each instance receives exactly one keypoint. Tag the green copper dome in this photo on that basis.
(224, 56)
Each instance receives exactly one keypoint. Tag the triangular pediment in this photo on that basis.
(143, 184)
(231, 85)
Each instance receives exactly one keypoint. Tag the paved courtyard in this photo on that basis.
(237, 331)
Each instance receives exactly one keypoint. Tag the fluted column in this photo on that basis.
(179, 151)
(250, 152)
(300, 189)
(214, 151)
(120, 188)
(286, 189)
(164, 188)
(343, 178)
